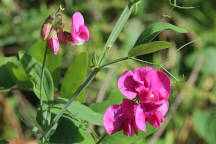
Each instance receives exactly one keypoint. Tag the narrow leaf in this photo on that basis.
(74, 77)
(148, 48)
(154, 29)
(33, 71)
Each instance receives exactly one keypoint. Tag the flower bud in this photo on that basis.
(46, 30)
(61, 37)
(53, 42)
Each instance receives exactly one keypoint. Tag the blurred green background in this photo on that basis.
(193, 120)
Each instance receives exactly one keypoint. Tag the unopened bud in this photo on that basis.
(46, 30)
(53, 42)
(61, 37)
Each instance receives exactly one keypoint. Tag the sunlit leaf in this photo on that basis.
(33, 71)
(154, 29)
(148, 48)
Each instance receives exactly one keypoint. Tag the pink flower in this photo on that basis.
(79, 31)
(150, 86)
(154, 115)
(61, 37)
(122, 117)
(53, 42)
(46, 30)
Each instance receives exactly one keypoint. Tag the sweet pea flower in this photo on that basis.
(122, 117)
(79, 32)
(151, 87)
(53, 42)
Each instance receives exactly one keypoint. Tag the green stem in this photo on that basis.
(114, 61)
(78, 91)
(41, 78)
(99, 141)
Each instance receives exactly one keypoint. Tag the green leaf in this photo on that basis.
(119, 25)
(120, 138)
(69, 131)
(117, 29)
(33, 71)
(154, 29)
(19, 76)
(205, 125)
(6, 81)
(148, 48)
(75, 76)
(53, 62)
(115, 97)
(78, 110)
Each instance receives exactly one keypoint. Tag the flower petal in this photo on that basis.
(126, 85)
(77, 21)
(155, 119)
(113, 119)
(140, 118)
(157, 81)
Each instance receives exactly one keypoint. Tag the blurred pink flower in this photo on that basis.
(79, 31)
(46, 28)
(150, 86)
(53, 42)
(62, 37)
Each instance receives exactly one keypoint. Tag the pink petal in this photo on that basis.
(127, 127)
(53, 44)
(46, 30)
(84, 33)
(155, 119)
(112, 119)
(61, 37)
(126, 85)
(77, 21)
(163, 109)
(157, 81)
(140, 118)
(128, 108)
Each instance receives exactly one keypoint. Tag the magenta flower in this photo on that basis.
(79, 32)
(151, 89)
(53, 42)
(150, 86)
(122, 117)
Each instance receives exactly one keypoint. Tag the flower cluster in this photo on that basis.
(148, 92)
(78, 35)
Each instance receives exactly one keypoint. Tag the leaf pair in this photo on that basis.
(144, 45)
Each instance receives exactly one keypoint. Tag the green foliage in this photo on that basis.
(154, 29)
(70, 130)
(33, 71)
(53, 62)
(209, 58)
(6, 81)
(148, 48)
(205, 125)
(119, 137)
(75, 76)
(78, 110)
(115, 97)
